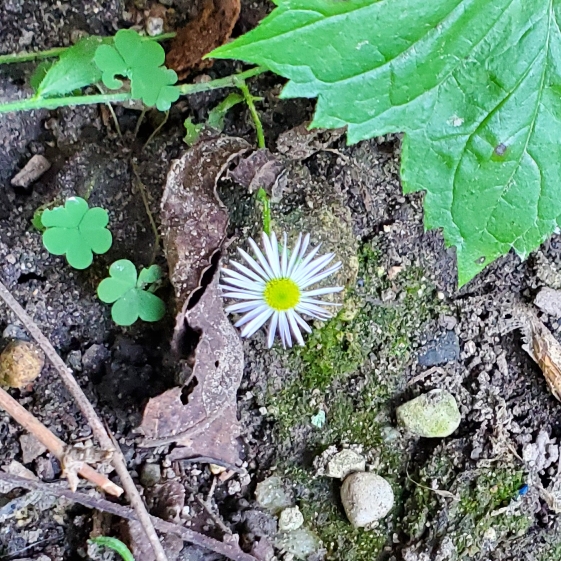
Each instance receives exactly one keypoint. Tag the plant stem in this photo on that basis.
(57, 51)
(227, 82)
(53, 103)
(185, 89)
(242, 86)
(263, 198)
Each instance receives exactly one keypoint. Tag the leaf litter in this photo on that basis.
(194, 223)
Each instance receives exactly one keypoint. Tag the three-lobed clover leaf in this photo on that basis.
(475, 85)
(125, 289)
(77, 231)
(141, 62)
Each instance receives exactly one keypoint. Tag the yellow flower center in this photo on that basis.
(281, 294)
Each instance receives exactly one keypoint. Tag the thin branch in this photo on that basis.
(230, 550)
(102, 436)
(57, 51)
(54, 444)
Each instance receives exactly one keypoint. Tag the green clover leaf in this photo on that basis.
(141, 62)
(125, 290)
(77, 231)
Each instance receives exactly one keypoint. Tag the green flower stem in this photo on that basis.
(242, 86)
(185, 89)
(263, 198)
(57, 51)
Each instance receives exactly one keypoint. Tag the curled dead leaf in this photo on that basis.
(194, 227)
(211, 28)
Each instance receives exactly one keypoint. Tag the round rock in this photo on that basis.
(21, 363)
(433, 415)
(344, 462)
(290, 519)
(366, 497)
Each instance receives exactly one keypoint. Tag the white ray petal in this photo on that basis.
(294, 327)
(252, 315)
(261, 258)
(247, 272)
(313, 311)
(313, 267)
(284, 257)
(320, 291)
(294, 255)
(245, 284)
(242, 307)
(301, 266)
(243, 295)
(284, 330)
(302, 323)
(272, 253)
(252, 263)
(320, 276)
(257, 322)
(272, 329)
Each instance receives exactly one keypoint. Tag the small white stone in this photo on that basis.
(343, 463)
(366, 498)
(154, 26)
(290, 519)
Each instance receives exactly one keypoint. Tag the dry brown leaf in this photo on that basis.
(542, 346)
(211, 28)
(207, 424)
(194, 221)
(259, 169)
(194, 226)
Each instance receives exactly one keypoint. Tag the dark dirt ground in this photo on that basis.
(357, 368)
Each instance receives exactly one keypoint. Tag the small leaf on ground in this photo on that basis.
(210, 28)
(77, 231)
(474, 85)
(141, 62)
(217, 114)
(125, 290)
(116, 545)
(74, 69)
(192, 131)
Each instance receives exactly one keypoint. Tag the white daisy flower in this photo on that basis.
(274, 287)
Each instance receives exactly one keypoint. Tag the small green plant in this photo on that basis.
(215, 119)
(141, 62)
(132, 294)
(77, 231)
(116, 545)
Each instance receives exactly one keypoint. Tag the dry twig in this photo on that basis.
(230, 550)
(54, 444)
(118, 460)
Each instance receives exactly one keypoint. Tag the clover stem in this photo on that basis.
(157, 129)
(139, 121)
(111, 110)
(57, 51)
(227, 82)
(249, 99)
(142, 189)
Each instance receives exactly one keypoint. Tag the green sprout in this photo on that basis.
(131, 294)
(114, 544)
(141, 62)
(77, 231)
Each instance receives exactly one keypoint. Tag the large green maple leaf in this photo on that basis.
(474, 84)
